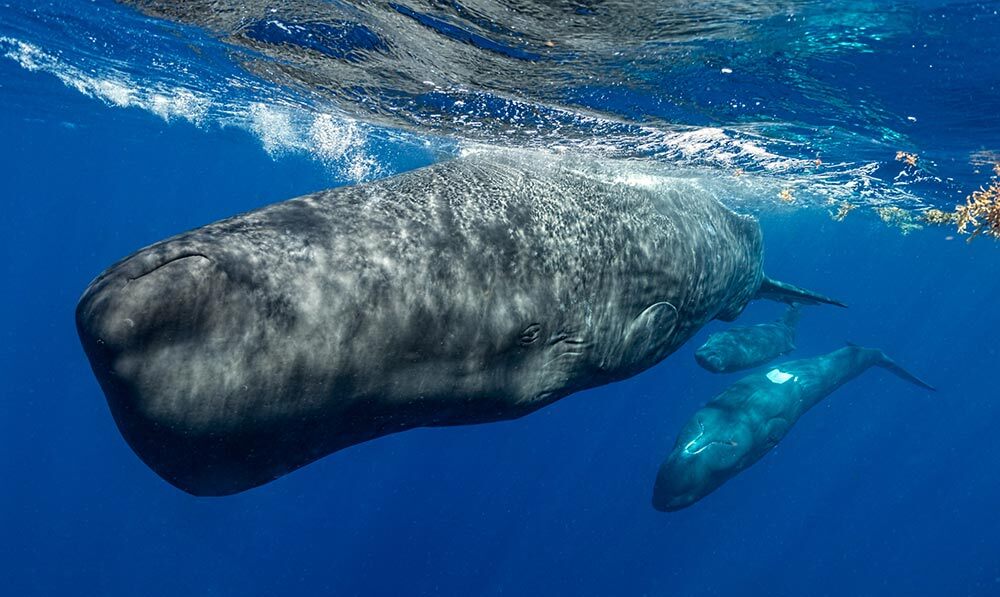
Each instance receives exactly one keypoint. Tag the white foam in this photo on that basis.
(331, 138)
(284, 124)
(113, 88)
(340, 143)
(275, 129)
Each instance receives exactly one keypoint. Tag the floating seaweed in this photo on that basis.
(939, 216)
(902, 219)
(980, 214)
(844, 208)
(981, 211)
(786, 196)
(909, 158)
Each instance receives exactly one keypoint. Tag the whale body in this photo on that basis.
(474, 290)
(740, 425)
(743, 347)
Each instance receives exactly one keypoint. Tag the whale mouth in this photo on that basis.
(699, 444)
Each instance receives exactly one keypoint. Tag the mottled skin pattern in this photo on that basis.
(738, 427)
(744, 347)
(475, 290)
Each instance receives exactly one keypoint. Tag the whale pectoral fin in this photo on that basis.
(775, 430)
(648, 338)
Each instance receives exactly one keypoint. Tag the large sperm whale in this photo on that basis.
(474, 290)
(743, 347)
(740, 425)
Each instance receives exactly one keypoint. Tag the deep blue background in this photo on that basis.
(883, 489)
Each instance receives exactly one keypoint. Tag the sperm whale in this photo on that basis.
(474, 290)
(743, 423)
(743, 347)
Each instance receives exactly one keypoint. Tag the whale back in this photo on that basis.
(747, 420)
(470, 291)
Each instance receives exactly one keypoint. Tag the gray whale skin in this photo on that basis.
(743, 423)
(474, 290)
(743, 347)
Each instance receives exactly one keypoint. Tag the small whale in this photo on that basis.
(743, 347)
(474, 290)
(738, 427)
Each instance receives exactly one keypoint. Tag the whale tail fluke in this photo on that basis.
(791, 294)
(883, 360)
(886, 363)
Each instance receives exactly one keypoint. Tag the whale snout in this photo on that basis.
(679, 483)
(138, 304)
(710, 360)
(155, 327)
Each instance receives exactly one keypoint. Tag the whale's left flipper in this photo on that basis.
(788, 293)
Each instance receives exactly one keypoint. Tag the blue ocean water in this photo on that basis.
(880, 490)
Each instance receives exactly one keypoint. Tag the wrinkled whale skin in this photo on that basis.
(474, 290)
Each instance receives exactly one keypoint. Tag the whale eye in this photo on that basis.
(530, 334)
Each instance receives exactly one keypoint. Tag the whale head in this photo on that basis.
(711, 448)
(173, 334)
(710, 357)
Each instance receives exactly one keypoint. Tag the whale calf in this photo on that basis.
(474, 290)
(743, 347)
(740, 425)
